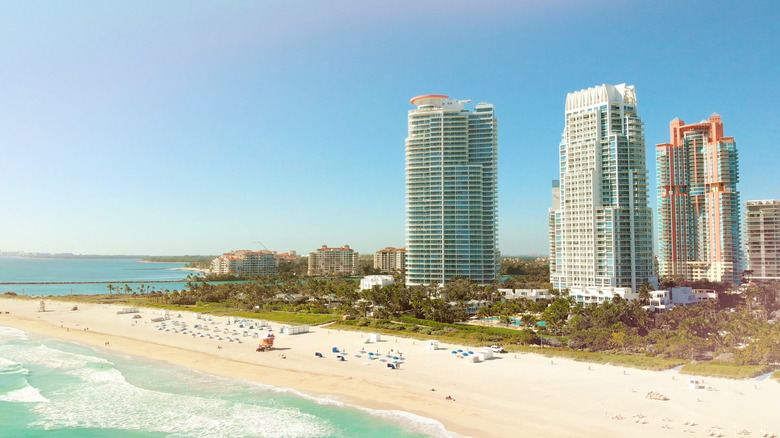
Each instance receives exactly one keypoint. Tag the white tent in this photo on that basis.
(486, 354)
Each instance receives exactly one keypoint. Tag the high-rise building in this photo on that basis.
(390, 259)
(698, 203)
(451, 187)
(600, 224)
(762, 239)
(339, 261)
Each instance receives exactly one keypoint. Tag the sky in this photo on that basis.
(201, 127)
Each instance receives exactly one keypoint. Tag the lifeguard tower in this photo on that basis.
(267, 343)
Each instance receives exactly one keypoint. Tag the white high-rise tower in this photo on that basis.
(600, 227)
(451, 206)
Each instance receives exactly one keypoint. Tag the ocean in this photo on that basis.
(94, 275)
(54, 388)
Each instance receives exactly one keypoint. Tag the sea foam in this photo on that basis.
(28, 394)
(126, 406)
(12, 334)
(47, 357)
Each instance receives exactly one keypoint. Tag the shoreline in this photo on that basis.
(183, 268)
(510, 395)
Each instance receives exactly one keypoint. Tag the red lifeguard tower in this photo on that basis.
(267, 343)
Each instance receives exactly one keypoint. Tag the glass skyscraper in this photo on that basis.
(451, 192)
(600, 223)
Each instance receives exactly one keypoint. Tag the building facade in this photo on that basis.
(587, 295)
(699, 217)
(369, 281)
(666, 299)
(451, 192)
(600, 223)
(333, 261)
(390, 259)
(762, 239)
(245, 262)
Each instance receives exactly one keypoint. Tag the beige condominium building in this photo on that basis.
(245, 262)
(390, 259)
(330, 261)
(762, 239)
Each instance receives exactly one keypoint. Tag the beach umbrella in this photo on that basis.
(465, 354)
(454, 352)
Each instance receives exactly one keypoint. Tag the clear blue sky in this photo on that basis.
(199, 127)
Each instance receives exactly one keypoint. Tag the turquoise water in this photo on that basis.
(117, 271)
(51, 388)
(515, 321)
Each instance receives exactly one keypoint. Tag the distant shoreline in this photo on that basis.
(74, 256)
(184, 268)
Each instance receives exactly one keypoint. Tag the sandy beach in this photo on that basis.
(510, 395)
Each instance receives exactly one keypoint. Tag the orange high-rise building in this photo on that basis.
(698, 203)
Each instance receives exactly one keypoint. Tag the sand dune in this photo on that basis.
(510, 395)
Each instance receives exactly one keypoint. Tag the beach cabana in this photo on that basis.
(294, 329)
(485, 354)
(432, 344)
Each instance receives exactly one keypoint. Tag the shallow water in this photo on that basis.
(53, 388)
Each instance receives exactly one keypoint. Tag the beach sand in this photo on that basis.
(510, 395)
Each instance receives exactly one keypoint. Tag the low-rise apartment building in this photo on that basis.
(666, 299)
(596, 295)
(369, 281)
(246, 262)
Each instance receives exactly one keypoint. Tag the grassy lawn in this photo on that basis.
(726, 370)
(618, 359)
(476, 336)
(216, 309)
